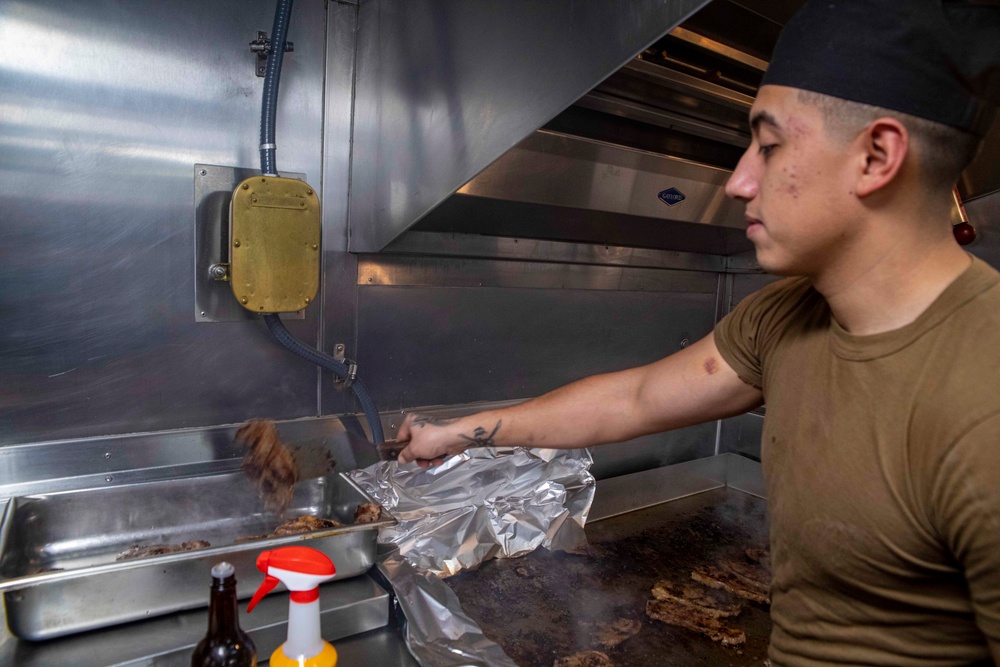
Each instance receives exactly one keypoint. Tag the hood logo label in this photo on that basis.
(671, 196)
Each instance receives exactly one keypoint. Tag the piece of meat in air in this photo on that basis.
(684, 616)
(268, 463)
(713, 602)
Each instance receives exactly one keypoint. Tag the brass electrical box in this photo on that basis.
(274, 244)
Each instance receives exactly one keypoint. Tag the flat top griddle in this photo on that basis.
(547, 605)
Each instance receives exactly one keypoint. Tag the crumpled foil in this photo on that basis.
(481, 504)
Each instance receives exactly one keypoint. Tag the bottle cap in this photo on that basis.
(222, 570)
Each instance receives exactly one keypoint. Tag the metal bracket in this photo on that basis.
(352, 367)
(262, 47)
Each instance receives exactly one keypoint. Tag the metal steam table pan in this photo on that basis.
(58, 568)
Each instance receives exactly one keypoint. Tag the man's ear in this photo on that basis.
(885, 143)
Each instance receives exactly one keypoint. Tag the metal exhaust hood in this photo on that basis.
(445, 87)
(642, 119)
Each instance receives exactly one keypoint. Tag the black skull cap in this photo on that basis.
(920, 57)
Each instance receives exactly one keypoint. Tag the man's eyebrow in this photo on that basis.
(759, 117)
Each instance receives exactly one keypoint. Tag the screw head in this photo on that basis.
(203, 172)
(203, 313)
(107, 455)
(109, 478)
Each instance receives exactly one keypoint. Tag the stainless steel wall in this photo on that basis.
(104, 109)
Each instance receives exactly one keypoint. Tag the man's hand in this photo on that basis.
(432, 439)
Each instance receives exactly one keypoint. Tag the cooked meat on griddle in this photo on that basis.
(136, 551)
(713, 602)
(682, 615)
(304, 524)
(761, 557)
(614, 633)
(367, 513)
(268, 463)
(716, 578)
(752, 575)
(249, 538)
(584, 659)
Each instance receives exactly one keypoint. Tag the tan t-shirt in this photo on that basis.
(881, 458)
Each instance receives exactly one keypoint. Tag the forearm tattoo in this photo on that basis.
(480, 438)
(432, 421)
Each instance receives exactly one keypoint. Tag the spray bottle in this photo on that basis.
(301, 570)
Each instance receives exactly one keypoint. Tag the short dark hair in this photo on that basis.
(944, 151)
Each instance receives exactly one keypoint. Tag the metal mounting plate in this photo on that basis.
(213, 190)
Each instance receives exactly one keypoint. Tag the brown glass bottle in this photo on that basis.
(225, 645)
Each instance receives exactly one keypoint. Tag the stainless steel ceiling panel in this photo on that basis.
(444, 87)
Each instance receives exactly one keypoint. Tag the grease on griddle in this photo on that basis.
(585, 659)
(268, 463)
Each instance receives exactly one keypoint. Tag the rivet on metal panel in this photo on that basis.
(253, 199)
(315, 247)
(246, 187)
(236, 244)
(309, 192)
(302, 203)
(685, 343)
(203, 172)
(107, 455)
(244, 300)
(307, 299)
(109, 478)
(369, 279)
(203, 314)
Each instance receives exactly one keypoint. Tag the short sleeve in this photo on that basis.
(966, 510)
(745, 336)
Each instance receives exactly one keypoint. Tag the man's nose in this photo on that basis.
(742, 184)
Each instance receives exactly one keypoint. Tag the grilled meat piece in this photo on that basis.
(751, 575)
(304, 524)
(584, 659)
(367, 513)
(268, 463)
(716, 578)
(682, 615)
(761, 557)
(136, 551)
(713, 602)
(613, 634)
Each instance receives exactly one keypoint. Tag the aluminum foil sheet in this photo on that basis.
(482, 504)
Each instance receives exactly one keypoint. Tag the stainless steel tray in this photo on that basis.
(58, 570)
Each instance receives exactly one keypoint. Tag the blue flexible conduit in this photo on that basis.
(278, 330)
(269, 103)
(268, 167)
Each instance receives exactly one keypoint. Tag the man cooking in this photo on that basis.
(879, 356)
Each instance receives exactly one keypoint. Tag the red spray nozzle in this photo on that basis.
(301, 569)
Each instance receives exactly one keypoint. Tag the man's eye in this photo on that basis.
(765, 150)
